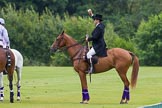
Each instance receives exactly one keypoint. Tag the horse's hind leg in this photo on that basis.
(125, 96)
(18, 71)
(1, 87)
(10, 78)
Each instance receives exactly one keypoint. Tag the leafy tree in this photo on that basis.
(60, 59)
(31, 33)
(142, 9)
(78, 27)
(55, 6)
(149, 39)
(125, 28)
(113, 40)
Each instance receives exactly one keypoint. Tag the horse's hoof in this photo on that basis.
(1, 98)
(84, 102)
(18, 99)
(122, 102)
(11, 101)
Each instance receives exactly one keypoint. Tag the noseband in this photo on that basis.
(58, 43)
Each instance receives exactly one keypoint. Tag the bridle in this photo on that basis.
(67, 47)
(59, 41)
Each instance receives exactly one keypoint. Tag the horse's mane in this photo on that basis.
(70, 37)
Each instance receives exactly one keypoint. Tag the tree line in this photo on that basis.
(134, 25)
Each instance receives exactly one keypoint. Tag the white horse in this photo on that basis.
(18, 69)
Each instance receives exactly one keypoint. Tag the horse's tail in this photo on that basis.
(134, 71)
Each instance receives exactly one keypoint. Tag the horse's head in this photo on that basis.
(58, 43)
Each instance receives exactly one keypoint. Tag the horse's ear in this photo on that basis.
(62, 32)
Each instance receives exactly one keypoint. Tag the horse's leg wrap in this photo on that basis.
(125, 96)
(11, 92)
(1, 94)
(126, 93)
(85, 95)
(18, 93)
(11, 96)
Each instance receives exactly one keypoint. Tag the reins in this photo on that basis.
(72, 58)
(67, 47)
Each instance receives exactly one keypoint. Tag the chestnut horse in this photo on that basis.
(7, 62)
(117, 58)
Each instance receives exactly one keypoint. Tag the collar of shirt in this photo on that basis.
(97, 24)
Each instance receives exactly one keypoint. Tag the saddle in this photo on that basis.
(94, 57)
(94, 60)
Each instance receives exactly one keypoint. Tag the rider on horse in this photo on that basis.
(4, 39)
(98, 42)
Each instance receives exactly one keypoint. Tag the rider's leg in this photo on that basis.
(90, 53)
(1, 87)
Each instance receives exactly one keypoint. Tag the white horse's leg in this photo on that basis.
(18, 71)
(1, 87)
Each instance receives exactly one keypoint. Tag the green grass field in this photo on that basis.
(59, 87)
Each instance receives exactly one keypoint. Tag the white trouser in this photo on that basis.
(1, 79)
(1, 87)
(90, 53)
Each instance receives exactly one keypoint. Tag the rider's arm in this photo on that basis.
(6, 38)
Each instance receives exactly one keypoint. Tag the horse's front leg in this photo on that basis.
(1, 87)
(85, 94)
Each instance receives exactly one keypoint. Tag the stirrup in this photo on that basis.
(90, 70)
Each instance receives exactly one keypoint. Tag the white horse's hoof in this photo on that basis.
(84, 102)
(1, 98)
(18, 99)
